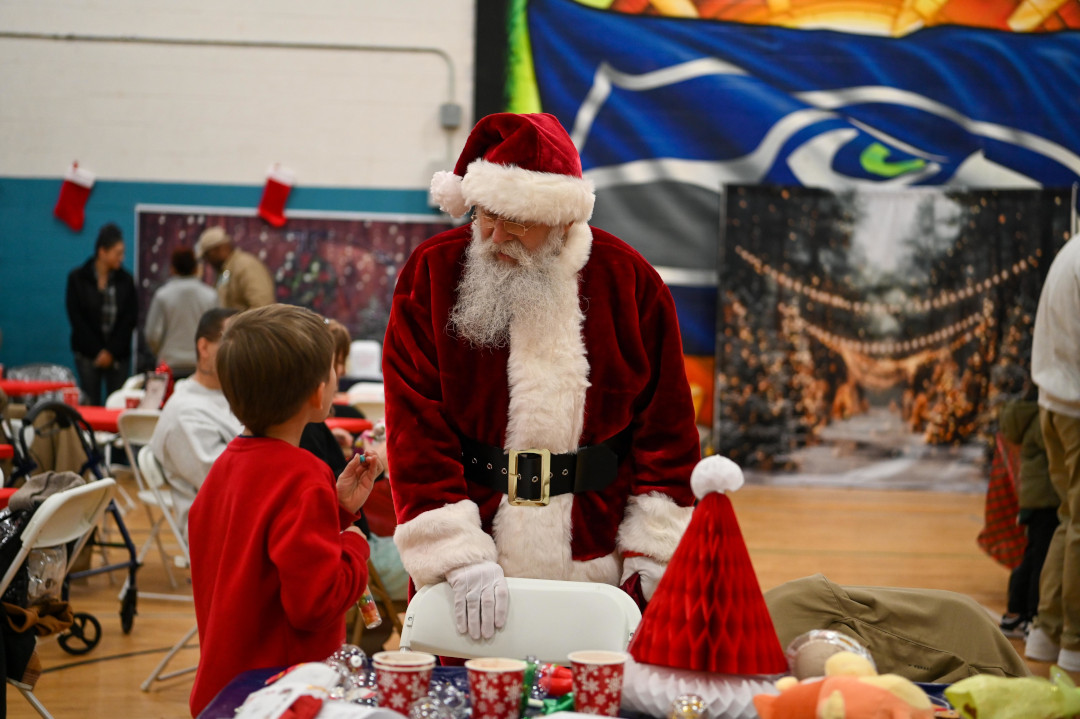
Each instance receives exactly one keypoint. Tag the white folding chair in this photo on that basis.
(155, 480)
(547, 619)
(64, 517)
(136, 428)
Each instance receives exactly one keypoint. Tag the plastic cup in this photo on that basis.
(598, 680)
(71, 396)
(401, 678)
(495, 684)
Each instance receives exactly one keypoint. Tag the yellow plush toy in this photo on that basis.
(849, 690)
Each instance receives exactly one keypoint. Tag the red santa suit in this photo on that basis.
(608, 361)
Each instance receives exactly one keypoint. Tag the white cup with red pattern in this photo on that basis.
(495, 684)
(598, 680)
(401, 678)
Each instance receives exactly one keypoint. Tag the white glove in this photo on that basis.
(649, 569)
(481, 598)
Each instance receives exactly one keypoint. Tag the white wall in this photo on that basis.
(135, 111)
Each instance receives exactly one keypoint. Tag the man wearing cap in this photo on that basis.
(540, 420)
(243, 280)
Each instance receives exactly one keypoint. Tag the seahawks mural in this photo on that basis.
(672, 101)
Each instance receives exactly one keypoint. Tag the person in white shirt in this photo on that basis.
(1055, 368)
(196, 423)
(174, 314)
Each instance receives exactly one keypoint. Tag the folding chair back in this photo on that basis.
(62, 518)
(154, 476)
(547, 619)
(155, 481)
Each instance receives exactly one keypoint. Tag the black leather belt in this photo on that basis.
(533, 476)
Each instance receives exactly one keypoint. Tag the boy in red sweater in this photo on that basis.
(275, 560)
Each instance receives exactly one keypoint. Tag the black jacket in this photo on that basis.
(84, 312)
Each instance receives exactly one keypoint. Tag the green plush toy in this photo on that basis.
(990, 697)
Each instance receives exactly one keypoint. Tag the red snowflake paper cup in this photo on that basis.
(401, 678)
(598, 678)
(495, 685)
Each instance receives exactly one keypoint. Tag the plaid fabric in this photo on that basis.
(1002, 537)
(108, 309)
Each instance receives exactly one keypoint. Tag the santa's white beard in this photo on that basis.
(494, 292)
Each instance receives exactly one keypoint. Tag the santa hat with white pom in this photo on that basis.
(521, 166)
(707, 629)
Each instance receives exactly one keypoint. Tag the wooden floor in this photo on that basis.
(882, 538)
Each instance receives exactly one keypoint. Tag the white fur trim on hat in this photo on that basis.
(528, 195)
(653, 525)
(442, 539)
(446, 191)
(715, 474)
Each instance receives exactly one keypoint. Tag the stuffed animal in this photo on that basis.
(850, 690)
(992, 697)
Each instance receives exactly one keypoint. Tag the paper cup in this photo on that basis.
(495, 685)
(401, 678)
(598, 679)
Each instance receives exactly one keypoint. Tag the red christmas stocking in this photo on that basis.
(73, 195)
(279, 182)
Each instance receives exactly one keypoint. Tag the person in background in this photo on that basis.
(1055, 368)
(174, 314)
(336, 447)
(531, 332)
(103, 310)
(243, 281)
(196, 423)
(333, 446)
(1019, 423)
(275, 560)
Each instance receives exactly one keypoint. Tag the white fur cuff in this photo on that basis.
(653, 526)
(443, 539)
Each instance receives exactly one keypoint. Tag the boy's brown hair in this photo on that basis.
(270, 361)
(342, 341)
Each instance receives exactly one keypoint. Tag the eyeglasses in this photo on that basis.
(489, 222)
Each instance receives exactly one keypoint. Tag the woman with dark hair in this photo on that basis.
(103, 309)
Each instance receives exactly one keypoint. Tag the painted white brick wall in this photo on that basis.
(134, 111)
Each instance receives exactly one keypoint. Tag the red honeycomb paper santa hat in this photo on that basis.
(708, 613)
(520, 166)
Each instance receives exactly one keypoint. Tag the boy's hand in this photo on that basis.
(355, 482)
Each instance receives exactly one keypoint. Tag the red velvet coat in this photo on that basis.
(614, 361)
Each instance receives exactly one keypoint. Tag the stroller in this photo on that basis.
(54, 436)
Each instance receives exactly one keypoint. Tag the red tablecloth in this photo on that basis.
(20, 387)
(352, 425)
(103, 419)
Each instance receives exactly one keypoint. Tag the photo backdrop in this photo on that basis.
(343, 266)
(870, 336)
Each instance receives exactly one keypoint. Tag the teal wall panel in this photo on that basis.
(37, 250)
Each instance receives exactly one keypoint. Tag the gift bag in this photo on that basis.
(1002, 537)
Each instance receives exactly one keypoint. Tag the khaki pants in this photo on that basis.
(925, 635)
(1059, 583)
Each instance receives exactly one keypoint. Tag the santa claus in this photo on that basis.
(539, 418)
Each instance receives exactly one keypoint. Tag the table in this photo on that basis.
(352, 425)
(101, 419)
(224, 705)
(32, 387)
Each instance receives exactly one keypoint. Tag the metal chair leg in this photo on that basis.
(157, 674)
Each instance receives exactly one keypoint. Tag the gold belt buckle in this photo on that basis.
(545, 478)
